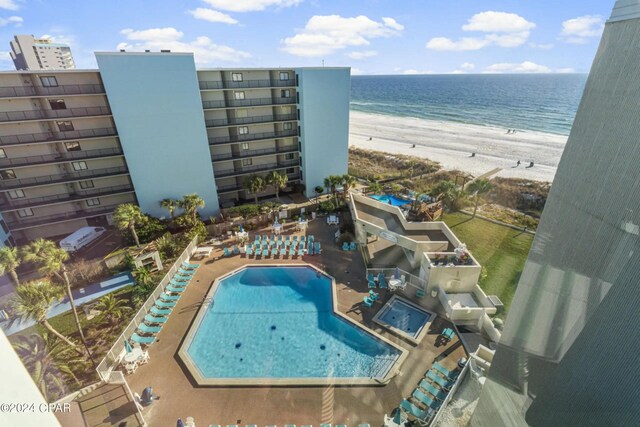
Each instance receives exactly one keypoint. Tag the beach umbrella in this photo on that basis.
(397, 418)
(397, 273)
(241, 228)
(127, 346)
(180, 423)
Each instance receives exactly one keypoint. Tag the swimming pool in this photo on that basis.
(277, 325)
(404, 318)
(390, 199)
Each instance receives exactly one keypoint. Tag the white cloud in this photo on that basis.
(467, 66)
(250, 5)
(413, 72)
(362, 54)
(356, 71)
(15, 20)
(9, 5)
(4, 56)
(501, 28)
(543, 46)
(204, 49)
(523, 67)
(211, 15)
(59, 38)
(579, 30)
(324, 35)
(565, 70)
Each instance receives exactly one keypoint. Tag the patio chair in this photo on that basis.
(249, 251)
(188, 266)
(372, 284)
(345, 246)
(159, 311)
(150, 318)
(448, 333)
(412, 409)
(310, 237)
(175, 283)
(292, 252)
(434, 391)
(295, 238)
(175, 289)
(374, 295)
(300, 252)
(452, 375)
(303, 238)
(368, 301)
(382, 281)
(265, 238)
(168, 297)
(283, 252)
(287, 239)
(181, 271)
(437, 379)
(421, 397)
(325, 425)
(227, 252)
(130, 367)
(180, 278)
(353, 246)
(142, 340)
(162, 304)
(265, 253)
(274, 252)
(146, 329)
(317, 248)
(236, 250)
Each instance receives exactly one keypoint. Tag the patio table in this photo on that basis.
(134, 355)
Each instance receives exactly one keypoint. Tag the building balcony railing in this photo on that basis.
(22, 91)
(250, 120)
(59, 157)
(256, 102)
(30, 138)
(244, 170)
(214, 140)
(254, 153)
(245, 84)
(10, 184)
(29, 222)
(17, 116)
(293, 178)
(13, 204)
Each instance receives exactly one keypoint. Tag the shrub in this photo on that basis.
(327, 206)
(148, 231)
(197, 229)
(245, 211)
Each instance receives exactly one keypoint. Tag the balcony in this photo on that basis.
(251, 137)
(10, 184)
(245, 84)
(293, 178)
(33, 91)
(244, 170)
(250, 120)
(31, 115)
(31, 138)
(29, 222)
(59, 157)
(13, 204)
(256, 102)
(254, 153)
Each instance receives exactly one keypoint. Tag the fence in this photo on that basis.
(450, 395)
(117, 377)
(112, 358)
(412, 281)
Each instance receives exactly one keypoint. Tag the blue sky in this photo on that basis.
(372, 36)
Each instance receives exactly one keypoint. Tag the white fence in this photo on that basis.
(450, 395)
(412, 281)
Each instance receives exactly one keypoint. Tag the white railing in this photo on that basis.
(117, 377)
(412, 280)
(450, 395)
(114, 356)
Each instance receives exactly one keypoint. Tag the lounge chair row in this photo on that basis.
(280, 238)
(381, 281)
(157, 316)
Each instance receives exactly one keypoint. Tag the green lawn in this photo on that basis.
(502, 251)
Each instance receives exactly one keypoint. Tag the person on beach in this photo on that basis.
(518, 163)
(530, 164)
(370, 138)
(413, 146)
(508, 131)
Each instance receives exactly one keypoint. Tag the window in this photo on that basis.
(285, 93)
(73, 146)
(93, 202)
(236, 77)
(25, 212)
(287, 126)
(243, 130)
(16, 194)
(284, 75)
(238, 95)
(3, 155)
(300, 160)
(86, 184)
(79, 166)
(7, 174)
(298, 101)
(244, 146)
(299, 145)
(48, 81)
(289, 156)
(289, 171)
(299, 132)
(65, 126)
(57, 104)
(247, 162)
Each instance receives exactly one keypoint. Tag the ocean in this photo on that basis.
(535, 102)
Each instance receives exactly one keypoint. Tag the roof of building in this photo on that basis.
(625, 10)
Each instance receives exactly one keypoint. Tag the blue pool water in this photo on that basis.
(404, 317)
(278, 322)
(390, 199)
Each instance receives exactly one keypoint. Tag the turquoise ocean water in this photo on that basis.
(535, 102)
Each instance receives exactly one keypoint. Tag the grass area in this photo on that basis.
(502, 251)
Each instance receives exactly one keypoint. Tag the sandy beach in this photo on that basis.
(451, 144)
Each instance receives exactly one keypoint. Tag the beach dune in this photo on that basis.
(451, 144)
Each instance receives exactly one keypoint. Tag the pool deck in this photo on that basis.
(181, 397)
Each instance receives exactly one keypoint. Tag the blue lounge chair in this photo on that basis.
(188, 266)
(159, 311)
(265, 253)
(317, 248)
(372, 284)
(175, 283)
(448, 333)
(166, 297)
(412, 409)
(175, 289)
(452, 375)
(149, 329)
(227, 252)
(300, 252)
(437, 379)
(325, 425)
(265, 238)
(142, 340)
(310, 237)
(303, 238)
(426, 400)
(181, 278)
(150, 318)
(374, 295)
(368, 301)
(236, 250)
(295, 238)
(287, 239)
(345, 246)
(184, 272)
(283, 252)
(434, 391)
(292, 252)
(382, 281)
(364, 425)
(274, 252)
(249, 251)
(162, 304)
(353, 246)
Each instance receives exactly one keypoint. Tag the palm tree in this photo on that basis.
(9, 261)
(478, 187)
(32, 300)
(112, 309)
(331, 183)
(50, 260)
(190, 203)
(170, 205)
(142, 276)
(318, 190)
(278, 181)
(348, 181)
(126, 217)
(255, 184)
(449, 193)
(375, 188)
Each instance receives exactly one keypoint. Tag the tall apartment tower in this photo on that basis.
(29, 53)
(570, 349)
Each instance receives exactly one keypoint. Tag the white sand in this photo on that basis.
(451, 144)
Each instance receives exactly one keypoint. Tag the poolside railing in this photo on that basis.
(114, 356)
(450, 396)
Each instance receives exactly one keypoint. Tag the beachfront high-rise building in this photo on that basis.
(147, 126)
(29, 53)
(569, 352)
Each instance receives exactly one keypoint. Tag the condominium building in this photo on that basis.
(569, 352)
(148, 126)
(29, 53)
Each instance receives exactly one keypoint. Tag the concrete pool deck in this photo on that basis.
(180, 396)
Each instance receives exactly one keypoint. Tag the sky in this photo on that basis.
(371, 36)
